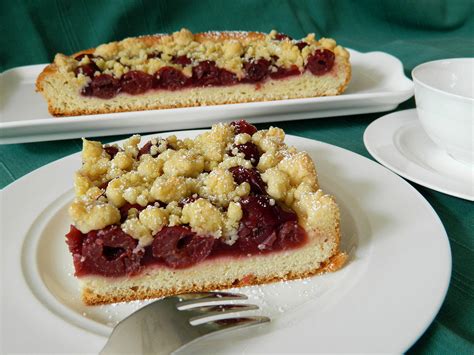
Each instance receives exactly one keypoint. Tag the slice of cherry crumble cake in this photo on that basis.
(185, 69)
(235, 206)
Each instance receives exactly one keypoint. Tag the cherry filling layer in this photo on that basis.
(264, 228)
(205, 73)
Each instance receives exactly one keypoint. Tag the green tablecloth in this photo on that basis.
(414, 31)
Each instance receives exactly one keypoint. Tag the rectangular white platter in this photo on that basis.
(378, 84)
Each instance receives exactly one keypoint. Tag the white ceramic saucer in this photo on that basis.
(398, 141)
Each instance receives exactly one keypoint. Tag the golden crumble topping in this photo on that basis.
(188, 182)
(151, 53)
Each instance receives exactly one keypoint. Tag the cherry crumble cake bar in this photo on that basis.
(186, 69)
(235, 206)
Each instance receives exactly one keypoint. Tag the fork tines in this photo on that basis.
(193, 305)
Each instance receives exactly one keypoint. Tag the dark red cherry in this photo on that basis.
(74, 240)
(321, 61)
(227, 78)
(156, 54)
(256, 70)
(257, 230)
(252, 176)
(274, 58)
(289, 234)
(181, 60)
(301, 45)
(136, 82)
(179, 247)
(125, 208)
(250, 151)
(257, 239)
(171, 78)
(109, 252)
(206, 73)
(87, 69)
(104, 86)
(242, 126)
(145, 149)
(282, 36)
(111, 150)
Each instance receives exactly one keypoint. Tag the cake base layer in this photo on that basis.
(64, 99)
(319, 255)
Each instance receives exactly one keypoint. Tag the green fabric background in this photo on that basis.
(414, 31)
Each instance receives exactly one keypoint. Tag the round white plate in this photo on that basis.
(399, 142)
(381, 301)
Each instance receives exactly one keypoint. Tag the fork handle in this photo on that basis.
(124, 347)
(141, 335)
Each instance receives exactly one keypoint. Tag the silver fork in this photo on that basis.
(166, 325)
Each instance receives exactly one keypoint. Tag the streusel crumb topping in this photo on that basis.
(151, 53)
(169, 182)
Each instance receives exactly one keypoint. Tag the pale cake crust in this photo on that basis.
(62, 89)
(131, 292)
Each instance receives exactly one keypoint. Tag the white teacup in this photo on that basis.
(444, 94)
